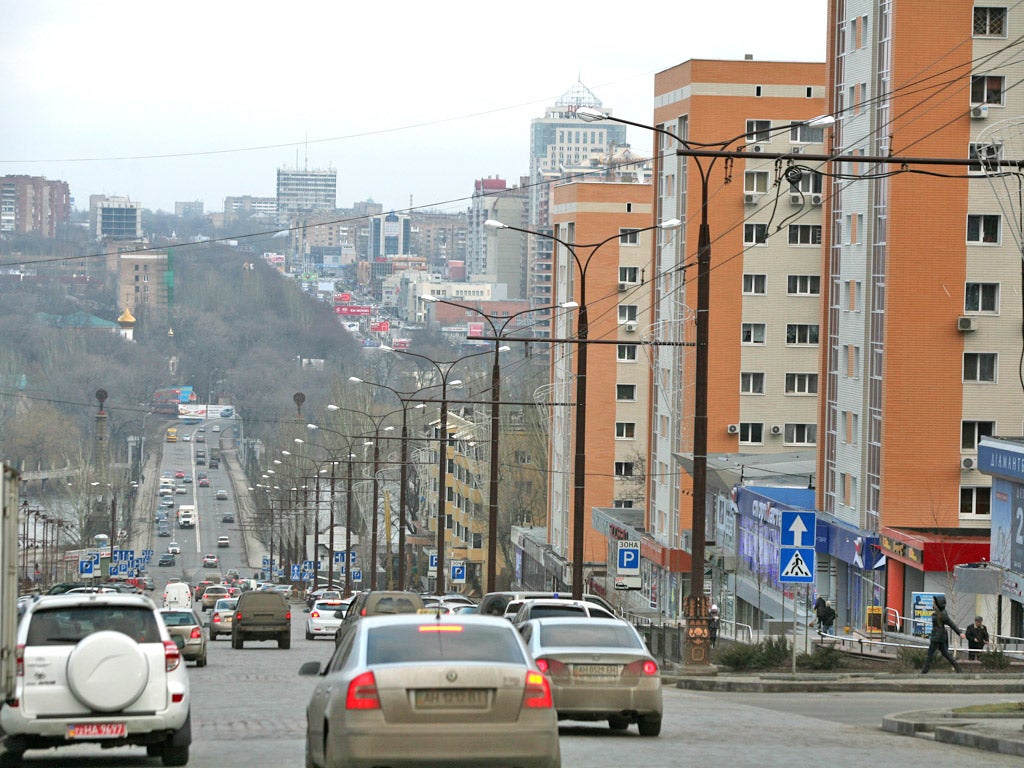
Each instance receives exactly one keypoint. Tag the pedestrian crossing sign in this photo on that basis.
(796, 565)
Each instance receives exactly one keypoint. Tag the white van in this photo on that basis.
(178, 595)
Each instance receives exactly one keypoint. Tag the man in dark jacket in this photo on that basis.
(939, 640)
(977, 637)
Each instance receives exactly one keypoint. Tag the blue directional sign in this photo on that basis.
(295, 572)
(307, 566)
(339, 558)
(147, 555)
(798, 529)
(352, 557)
(266, 562)
(458, 572)
(796, 565)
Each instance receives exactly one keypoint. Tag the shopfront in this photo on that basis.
(1003, 459)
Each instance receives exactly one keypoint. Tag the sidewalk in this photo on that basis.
(986, 732)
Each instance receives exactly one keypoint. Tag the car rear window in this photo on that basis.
(442, 642)
(543, 611)
(66, 626)
(389, 604)
(179, 618)
(596, 635)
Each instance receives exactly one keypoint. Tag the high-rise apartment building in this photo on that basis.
(921, 332)
(498, 256)
(115, 218)
(33, 205)
(305, 191)
(765, 285)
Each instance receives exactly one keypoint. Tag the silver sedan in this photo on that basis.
(599, 669)
(402, 689)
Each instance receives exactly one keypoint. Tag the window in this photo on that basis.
(980, 366)
(971, 433)
(629, 236)
(623, 503)
(805, 234)
(804, 285)
(755, 284)
(801, 383)
(756, 182)
(623, 468)
(752, 333)
(629, 274)
(987, 89)
(981, 297)
(751, 432)
(810, 183)
(807, 134)
(987, 155)
(975, 501)
(800, 434)
(983, 228)
(625, 392)
(989, 22)
(625, 430)
(758, 130)
(751, 383)
(627, 313)
(626, 353)
(801, 333)
(755, 234)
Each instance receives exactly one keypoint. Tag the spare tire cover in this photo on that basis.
(107, 671)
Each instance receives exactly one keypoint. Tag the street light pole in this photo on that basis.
(582, 335)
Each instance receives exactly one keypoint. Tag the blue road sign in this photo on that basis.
(307, 566)
(357, 575)
(458, 570)
(95, 557)
(339, 558)
(352, 557)
(796, 565)
(629, 558)
(85, 567)
(147, 553)
(112, 570)
(295, 572)
(797, 529)
(266, 561)
(432, 562)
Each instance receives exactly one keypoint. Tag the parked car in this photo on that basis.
(97, 668)
(324, 618)
(600, 669)
(221, 617)
(262, 615)
(434, 677)
(187, 626)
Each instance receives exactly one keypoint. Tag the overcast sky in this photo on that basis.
(409, 101)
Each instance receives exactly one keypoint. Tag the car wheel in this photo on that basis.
(213, 637)
(309, 635)
(201, 662)
(650, 725)
(236, 641)
(173, 755)
(284, 641)
(11, 759)
(618, 723)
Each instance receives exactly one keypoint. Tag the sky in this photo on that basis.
(409, 101)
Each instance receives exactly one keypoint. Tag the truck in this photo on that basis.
(9, 484)
(187, 516)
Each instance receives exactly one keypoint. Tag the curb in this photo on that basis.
(847, 683)
(1001, 734)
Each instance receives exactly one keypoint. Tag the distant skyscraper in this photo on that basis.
(500, 257)
(33, 205)
(304, 191)
(558, 141)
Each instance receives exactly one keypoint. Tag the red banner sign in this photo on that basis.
(382, 326)
(351, 309)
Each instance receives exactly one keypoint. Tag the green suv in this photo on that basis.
(262, 615)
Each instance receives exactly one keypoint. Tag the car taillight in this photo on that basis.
(216, 618)
(648, 667)
(238, 616)
(362, 693)
(19, 655)
(551, 667)
(537, 694)
(172, 656)
(196, 633)
(314, 615)
(288, 615)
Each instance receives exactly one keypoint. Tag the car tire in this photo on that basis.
(174, 755)
(618, 723)
(236, 641)
(284, 641)
(213, 637)
(10, 759)
(650, 725)
(201, 662)
(309, 635)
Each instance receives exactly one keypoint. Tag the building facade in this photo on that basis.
(115, 218)
(499, 257)
(305, 191)
(33, 205)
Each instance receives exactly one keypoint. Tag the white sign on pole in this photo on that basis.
(627, 562)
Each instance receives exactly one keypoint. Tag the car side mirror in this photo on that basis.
(306, 610)
(310, 668)
(339, 614)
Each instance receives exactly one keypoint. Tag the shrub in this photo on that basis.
(912, 658)
(824, 657)
(768, 654)
(994, 660)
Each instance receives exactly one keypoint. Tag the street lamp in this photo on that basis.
(443, 369)
(582, 333)
(497, 331)
(695, 605)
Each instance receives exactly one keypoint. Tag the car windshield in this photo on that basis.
(589, 635)
(442, 642)
(66, 626)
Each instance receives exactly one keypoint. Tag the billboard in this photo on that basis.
(352, 309)
(381, 326)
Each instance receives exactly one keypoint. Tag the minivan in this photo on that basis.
(178, 595)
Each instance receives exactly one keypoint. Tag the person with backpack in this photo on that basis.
(938, 641)
(825, 616)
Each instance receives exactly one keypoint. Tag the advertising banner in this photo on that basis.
(352, 309)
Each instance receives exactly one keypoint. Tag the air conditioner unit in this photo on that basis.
(796, 198)
(751, 198)
(815, 199)
(733, 429)
(979, 111)
(630, 327)
(796, 150)
(965, 324)
(756, 148)
(968, 462)
(623, 287)
(776, 429)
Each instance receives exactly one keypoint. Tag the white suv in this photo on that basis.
(97, 668)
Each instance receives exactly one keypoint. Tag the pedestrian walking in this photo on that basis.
(713, 625)
(938, 641)
(825, 616)
(977, 638)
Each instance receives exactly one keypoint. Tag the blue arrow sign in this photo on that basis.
(797, 529)
(266, 561)
(295, 572)
(339, 558)
(352, 557)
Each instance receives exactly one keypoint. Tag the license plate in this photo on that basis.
(451, 698)
(97, 731)
(595, 670)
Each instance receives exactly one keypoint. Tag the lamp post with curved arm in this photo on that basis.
(444, 370)
(695, 606)
(582, 334)
(498, 332)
